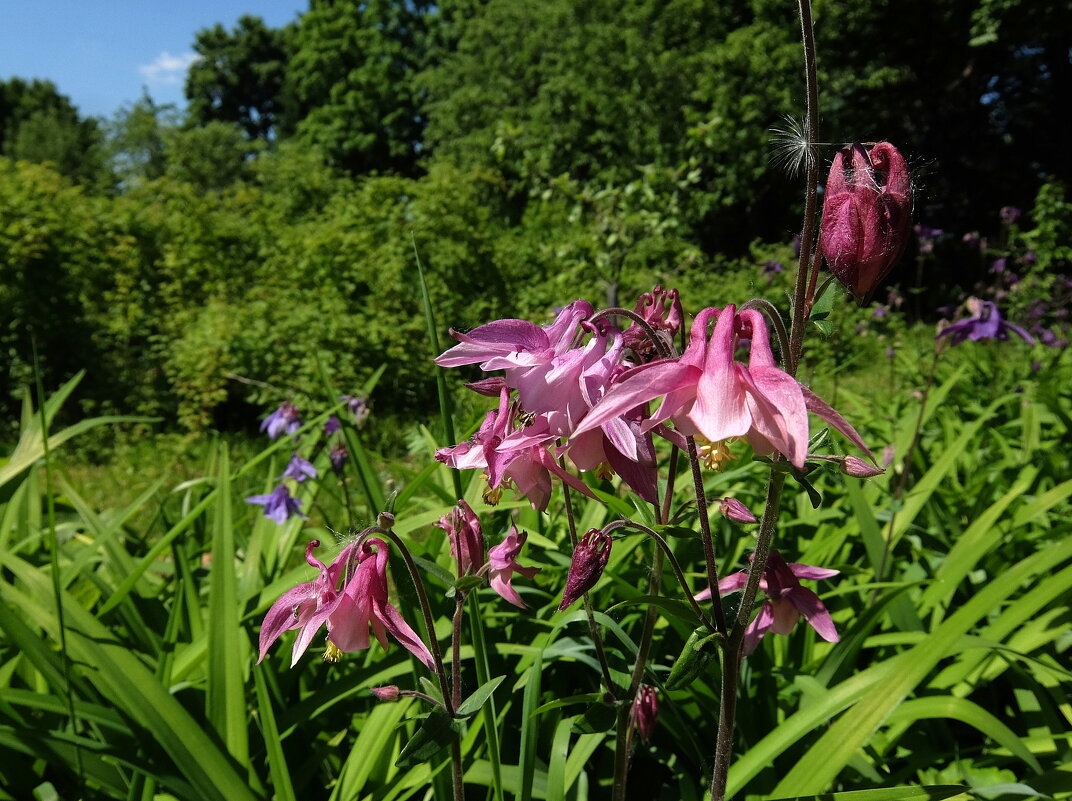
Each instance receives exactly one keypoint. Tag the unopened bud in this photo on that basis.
(589, 559)
(645, 711)
(388, 693)
(858, 468)
(385, 520)
(733, 509)
(867, 209)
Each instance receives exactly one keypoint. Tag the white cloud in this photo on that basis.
(166, 69)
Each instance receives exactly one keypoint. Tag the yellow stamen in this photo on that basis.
(715, 455)
(603, 470)
(332, 652)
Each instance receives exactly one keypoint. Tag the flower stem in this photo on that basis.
(705, 536)
(593, 629)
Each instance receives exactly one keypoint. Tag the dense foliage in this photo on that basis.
(521, 148)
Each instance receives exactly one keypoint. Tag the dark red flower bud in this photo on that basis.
(644, 712)
(867, 209)
(589, 559)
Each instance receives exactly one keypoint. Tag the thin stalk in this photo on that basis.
(483, 675)
(705, 536)
(731, 657)
(675, 565)
(456, 651)
(771, 312)
(623, 740)
(593, 629)
(807, 236)
(433, 646)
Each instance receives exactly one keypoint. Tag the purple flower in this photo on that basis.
(985, 323)
(332, 425)
(358, 407)
(786, 600)
(279, 505)
(338, 455)
(771, 268)
(285, 419)
(998, 266)
(502, 565)
(299, 469)
(589, 560)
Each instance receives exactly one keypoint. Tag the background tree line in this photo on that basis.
(530, 152)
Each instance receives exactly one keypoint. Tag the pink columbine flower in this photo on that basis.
(347, 613)
(306, 606)
(502, 565)
(867, 210)
(512, 454)
(786, 600)
(707, 392)
(466, 537)
(589, 560)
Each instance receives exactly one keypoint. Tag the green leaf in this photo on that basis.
(473, 703)
(907, 793)
(437, 732)
(597, 718)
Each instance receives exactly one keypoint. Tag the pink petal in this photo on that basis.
(638, 387)
(784, 616)
(401, 631)
(501, 584)
(811, 572)
(759, 626)
(820, 408)
(498, 338)
(814, 612)
(782, 393)
(280, 616)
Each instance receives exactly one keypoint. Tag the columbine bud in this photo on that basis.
(466, 537)
(388, 693)
(867, 209)
(858, 468)
(644, 712)
(589, 559)
(733, 509)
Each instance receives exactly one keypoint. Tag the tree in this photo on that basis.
(350, 83)
(39, 124)
(238, 77)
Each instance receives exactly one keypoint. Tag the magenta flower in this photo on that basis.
(364, 604)
(509, 454)
(347, 613)
(285, 419)
(589, 560)
(661, 309)
(466, 537)
(644, 712)
(707, 392)
(278, 505)
(307, 606)
(299, 469)
(867, 208)
(733, 509)
(786, 600)
(502, 565)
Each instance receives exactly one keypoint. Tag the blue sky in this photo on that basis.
(101, 53)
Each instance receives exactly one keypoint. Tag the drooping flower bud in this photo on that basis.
(387, 693)
(660, 309)
(644, 712)
(466, 537)
(733, 509)
(589, 559)
(858, 468)
(867, 209)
